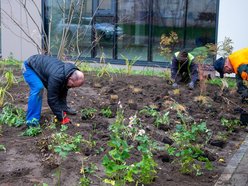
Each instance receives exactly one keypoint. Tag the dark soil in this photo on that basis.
(27, 160)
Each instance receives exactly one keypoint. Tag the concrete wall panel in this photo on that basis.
(233, 22)
(17, 40)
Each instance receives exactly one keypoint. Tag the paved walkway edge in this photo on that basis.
(233, 164)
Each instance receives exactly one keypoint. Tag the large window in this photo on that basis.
(69, 24)
(193, 22)
(133, 19)
(118, 29)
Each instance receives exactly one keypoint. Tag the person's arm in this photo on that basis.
(242, 75)
(54, 101)
(174, 68)
(63, 98)
(194, 72)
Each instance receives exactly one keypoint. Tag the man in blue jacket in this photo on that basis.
(183, 69)
(57, 77)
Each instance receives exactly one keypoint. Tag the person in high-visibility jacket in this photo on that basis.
(236, 63)
(183, 69)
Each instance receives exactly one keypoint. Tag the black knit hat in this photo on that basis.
(182, 56)
(219, 66)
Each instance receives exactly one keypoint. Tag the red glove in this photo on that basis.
(65, 121)
(64, 114)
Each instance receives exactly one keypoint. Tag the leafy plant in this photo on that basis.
(167, 44)
(41, 184)
(84, 181)
(106, 112)
(2, 148)
(162, 119)
(32, 131)
(10, 78)
(188, 148)
(116, 161)
(90, 169)
(230, 124)
(130, 63)
(104, 70)
(63, 143)
(3, 93)
(221, 136)
(216, 81)
(12, 116)
(149, 111)
(88, 113)
(223, 48)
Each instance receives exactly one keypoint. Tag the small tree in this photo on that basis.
(167, 44)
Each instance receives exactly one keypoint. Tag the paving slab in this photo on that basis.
(236, 172)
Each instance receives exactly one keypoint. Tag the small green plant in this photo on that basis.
(88, 113)
(106, 112)
(230, 124)
(217, 81)
(41, 184)
(116, 161)
(104, 70)
(3, 93)
(2, 148)
(187, 147)
(84, 181)
(12, 116)
(10, 78)
(32, 131)
(63, 143)
(221, 136)
(130, 63)
(149, 111)
(90, 169)
(167, 75)
(162, 119)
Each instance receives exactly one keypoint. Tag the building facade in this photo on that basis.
(115, 30)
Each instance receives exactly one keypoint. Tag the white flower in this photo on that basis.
(141, 132)
(132, 119)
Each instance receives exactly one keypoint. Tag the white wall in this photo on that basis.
(233, 22)
(14, 41)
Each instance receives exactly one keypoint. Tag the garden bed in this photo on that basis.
(28, 160)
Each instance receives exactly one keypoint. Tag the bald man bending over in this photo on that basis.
(57, 77)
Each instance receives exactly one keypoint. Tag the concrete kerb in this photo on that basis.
(230, 169)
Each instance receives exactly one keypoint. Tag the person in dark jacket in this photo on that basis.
(183, 69)
(57, 77)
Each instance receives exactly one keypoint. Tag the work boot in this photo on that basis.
(70, 111)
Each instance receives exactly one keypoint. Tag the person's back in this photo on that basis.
(47, 66)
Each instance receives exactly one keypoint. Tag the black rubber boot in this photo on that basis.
(71, 111)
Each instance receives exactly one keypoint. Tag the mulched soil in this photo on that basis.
(27, 160)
